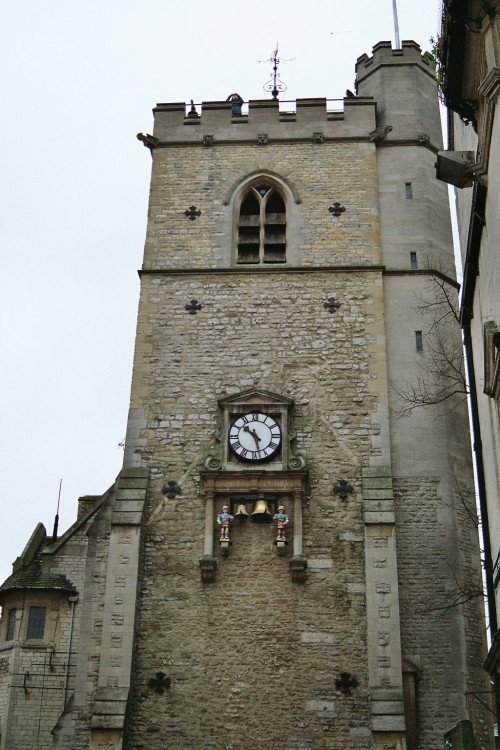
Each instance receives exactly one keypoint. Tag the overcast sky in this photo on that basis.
(79, 79)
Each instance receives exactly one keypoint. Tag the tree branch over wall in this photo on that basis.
(440, 374)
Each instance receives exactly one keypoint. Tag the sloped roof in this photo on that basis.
(32, 578)
(27, 572)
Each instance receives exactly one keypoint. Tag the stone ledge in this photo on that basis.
(378, 505)
(128, 505)
(379, 517)
(377, 471)
(111, 693)
(386, 694)
(388, 723)
(385, 494)
(129, 483)
(376, 483)
(351, 536)
(126, 519)
(134, 471)
(107, 722)
(387, 708)
(132, 494)
(110, 708)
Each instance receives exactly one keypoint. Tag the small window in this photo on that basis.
(408, 190)
(11, 624)
(413, 261)
(496, 571)
(262, 226)
(36, 622)
(419, 341)
(491, 335)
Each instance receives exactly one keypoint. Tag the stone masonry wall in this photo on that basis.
(255, 650)
(205, 177)
(436, 615)
(74, 729)
(36, 717)
(37, 677)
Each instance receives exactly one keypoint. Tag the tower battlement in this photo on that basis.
(384, 54)
(402, 82)
(173, 124)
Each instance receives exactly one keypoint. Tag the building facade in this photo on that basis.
(289, 557)
(470, 77)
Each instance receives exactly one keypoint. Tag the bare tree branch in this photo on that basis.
(440, 376)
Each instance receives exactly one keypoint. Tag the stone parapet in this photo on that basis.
(354, 118)
(384, 54)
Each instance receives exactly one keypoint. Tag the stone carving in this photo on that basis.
(212, 463)
(342, 488)
(336, 209)
(296, 460)
(208, 565)
(192, 212)
(148, 140)
(208, 140)
(262, 139)
(170, 489)
(159, 682)
(193, 307)
(318, 137)
(379, 133)
(346, 683)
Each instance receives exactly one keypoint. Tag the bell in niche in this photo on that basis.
(241, 512)
(261, 512)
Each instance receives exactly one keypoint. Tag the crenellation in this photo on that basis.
(384, 53)
(355, 120)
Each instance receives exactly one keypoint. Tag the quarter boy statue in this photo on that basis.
(223, 521)
(281, 519)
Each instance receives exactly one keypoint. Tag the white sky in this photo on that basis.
(79, 79)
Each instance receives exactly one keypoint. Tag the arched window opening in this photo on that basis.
(262, 226)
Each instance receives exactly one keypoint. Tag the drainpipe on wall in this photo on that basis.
(471, 271)
(72, 600)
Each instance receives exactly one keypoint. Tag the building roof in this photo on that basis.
(460, 51)
(27, 573)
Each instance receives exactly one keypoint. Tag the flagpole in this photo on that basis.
(396, 24)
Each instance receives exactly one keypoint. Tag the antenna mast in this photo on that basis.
(396, 24)
(56, 519)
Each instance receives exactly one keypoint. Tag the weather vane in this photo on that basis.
(275, 85)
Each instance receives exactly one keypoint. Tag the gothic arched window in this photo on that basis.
(262, 225)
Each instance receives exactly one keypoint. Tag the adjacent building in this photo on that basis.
(469, 69)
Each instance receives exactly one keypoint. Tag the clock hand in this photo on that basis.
(253, 434)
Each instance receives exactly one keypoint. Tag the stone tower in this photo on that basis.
(280, 562)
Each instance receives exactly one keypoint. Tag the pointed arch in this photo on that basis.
(285, 182)
(260, 206)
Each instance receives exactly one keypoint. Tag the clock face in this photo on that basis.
(255, 436)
